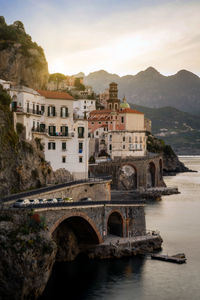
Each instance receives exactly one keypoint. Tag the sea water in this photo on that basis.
(177, 217)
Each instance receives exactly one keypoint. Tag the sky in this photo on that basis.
(119, 36)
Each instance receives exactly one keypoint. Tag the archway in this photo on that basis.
(151, 173)
(115, 224)
(74, 235)
(128, 178)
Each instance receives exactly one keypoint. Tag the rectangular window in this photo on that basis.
(42, 109)
(123, 138)
(124, 146)
(129, 139)
(64, 146)
(122, 119)
(51, 146)
(81, 132)
(63, 159)
(37, 109)
(64, 112)
(80, 159)
(110, 147)
(84, 107)
(27, 106)
(110, 137)
(52, 130)
(64, 130)
(33, 108)
(51, 111)
(80, 148)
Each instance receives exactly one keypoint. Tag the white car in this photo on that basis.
(42, 201)
(21, 203)
(52, 200)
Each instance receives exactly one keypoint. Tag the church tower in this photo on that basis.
(113, 103)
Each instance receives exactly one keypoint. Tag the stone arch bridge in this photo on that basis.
(132, 172)
(78, 226)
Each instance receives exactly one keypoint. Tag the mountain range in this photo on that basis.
(179, 129)
(152, 89)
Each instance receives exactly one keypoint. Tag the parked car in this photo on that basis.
(31, 201)
(59, 200)
(68, 199)
(52, 200)
(42, 201)
(21, 203)
(86, 199)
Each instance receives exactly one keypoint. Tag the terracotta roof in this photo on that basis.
(101, 111)
(130, 111)
(55, 95)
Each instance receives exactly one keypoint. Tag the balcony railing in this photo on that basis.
(28, 111)
(53, 134)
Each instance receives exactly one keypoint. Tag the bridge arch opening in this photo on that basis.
(128, 177)
(115, 224)
(151, 175)
(74, 235)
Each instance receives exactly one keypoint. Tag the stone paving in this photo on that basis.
(117, 241)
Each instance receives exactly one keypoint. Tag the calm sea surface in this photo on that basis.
(177, 217)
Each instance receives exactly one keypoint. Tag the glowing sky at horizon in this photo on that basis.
(119, 36)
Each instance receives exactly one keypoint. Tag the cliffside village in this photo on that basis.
(73, 132)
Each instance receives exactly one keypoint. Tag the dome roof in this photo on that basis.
(124, 104)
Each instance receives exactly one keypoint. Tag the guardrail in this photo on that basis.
(53, 187)
(82, 203)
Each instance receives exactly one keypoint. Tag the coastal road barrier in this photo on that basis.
(82, 203)
(54, 187)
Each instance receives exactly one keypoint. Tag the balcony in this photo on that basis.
(53, 134)
(30, 111)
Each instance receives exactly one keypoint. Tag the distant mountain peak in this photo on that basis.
(151, 70)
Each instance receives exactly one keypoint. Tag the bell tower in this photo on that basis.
(113, 102)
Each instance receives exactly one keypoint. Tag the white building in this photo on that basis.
(84, 106)
(49, 116)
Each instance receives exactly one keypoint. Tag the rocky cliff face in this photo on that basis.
(21, 60)
(171, 163)
(22, 163)
(27, 255)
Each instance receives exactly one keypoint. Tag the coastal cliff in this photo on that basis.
(27, 255)
(171, 163)
(21, 60)
(22, 163)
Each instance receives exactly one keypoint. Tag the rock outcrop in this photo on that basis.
(21, 60)
(27, 255)
(171, 163)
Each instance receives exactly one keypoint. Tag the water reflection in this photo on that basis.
(86, 279)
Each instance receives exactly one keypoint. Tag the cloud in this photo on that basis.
(119, 36)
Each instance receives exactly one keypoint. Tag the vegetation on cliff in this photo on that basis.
(22, 163)
(171, 163)
(21, 59)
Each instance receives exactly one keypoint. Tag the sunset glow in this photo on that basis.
(121, 37)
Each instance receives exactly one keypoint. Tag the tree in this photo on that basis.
(79, 85)
(4, 97)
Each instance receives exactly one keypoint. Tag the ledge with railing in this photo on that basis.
(53, 134)
(20, 109)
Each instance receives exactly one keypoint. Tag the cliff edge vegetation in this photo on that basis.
(22, 163)
(171, 163)
(21, 59)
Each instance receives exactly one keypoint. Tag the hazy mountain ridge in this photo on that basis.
(152, 89)
(179, 129)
